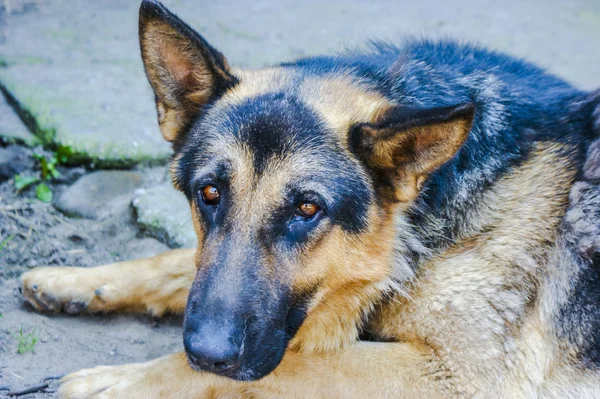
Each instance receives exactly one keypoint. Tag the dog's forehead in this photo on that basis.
(339, 98)
(274, 126)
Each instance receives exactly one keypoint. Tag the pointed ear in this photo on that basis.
(405, 145)
(185, 72)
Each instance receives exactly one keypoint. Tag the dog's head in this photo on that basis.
(293, 174)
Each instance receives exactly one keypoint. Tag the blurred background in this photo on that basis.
(82, 175)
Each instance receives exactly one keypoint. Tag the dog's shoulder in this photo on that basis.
(579, 318)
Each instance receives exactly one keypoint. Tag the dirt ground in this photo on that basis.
(36, 234)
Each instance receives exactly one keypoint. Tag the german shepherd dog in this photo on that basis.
(412, 221)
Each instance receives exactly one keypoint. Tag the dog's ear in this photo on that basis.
(404, 145)
(185, 71)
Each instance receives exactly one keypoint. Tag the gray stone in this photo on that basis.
(143, 248)
(13, 160)
(91, 195)
(75, 65)
(164, 213)
(12, 128)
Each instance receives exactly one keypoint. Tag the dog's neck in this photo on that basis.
(438, 221)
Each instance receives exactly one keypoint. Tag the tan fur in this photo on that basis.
(354, 272)
(255, 83)
(342, 102)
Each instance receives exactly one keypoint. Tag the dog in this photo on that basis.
(412, 221)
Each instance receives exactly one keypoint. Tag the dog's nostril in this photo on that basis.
(220, 366)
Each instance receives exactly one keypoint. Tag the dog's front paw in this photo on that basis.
(68, 289)
(168, 377)
(107, 382)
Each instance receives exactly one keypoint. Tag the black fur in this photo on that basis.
(579, 319)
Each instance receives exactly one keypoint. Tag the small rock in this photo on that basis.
(69, 175)
(32, 263)
(92, 194)
(164, 213)
(77, 238)
(112, 353)
(13, 160)
(44, 339)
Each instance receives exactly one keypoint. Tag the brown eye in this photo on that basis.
(210, 195)
(307, 210)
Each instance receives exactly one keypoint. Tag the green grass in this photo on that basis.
(6, 241)
(26, 342)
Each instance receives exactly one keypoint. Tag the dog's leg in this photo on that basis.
(157, 285)
(361, 370)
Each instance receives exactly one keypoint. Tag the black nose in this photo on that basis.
(213, 349)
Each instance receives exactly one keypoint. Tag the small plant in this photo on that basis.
(6, 241)
(25, 342)
(48, 172)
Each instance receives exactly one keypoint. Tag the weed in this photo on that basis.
(48, 172)
(4, 242)
(25, 342)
